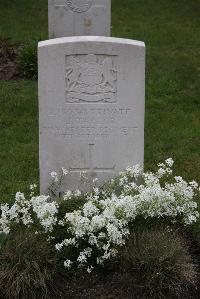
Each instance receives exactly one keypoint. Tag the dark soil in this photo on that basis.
(98, 286)
(95, 286)
(113, 285)
(8, 64)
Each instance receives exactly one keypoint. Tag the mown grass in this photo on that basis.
(23, 20)
(171, 31)
(18, 136)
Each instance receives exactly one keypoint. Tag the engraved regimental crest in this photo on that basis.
(79, 5)
(91, 78)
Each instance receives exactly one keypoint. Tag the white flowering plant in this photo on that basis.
(89, 229)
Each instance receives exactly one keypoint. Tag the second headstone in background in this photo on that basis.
(79, 17)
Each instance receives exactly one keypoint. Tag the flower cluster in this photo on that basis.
(97, 230)
(19, 211)
(45, 211)
(27, 211)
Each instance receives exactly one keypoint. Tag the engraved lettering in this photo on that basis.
(96, 131)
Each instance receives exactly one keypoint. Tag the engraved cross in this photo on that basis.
(91, 168)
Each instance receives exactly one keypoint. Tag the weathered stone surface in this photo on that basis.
(79, 17)
(91, 106)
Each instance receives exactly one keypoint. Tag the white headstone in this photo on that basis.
(79, 17)
(91, 107)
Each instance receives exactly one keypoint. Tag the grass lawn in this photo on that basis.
(19, 137)
(171, 31)
(23, 20)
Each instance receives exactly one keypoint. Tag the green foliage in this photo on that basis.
(23, 20)
(28, 267)
(19, 137)
(156, 259)
(3, 238)
(27, 61)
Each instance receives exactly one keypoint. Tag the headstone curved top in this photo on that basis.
(91, 102)
(79, 17)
